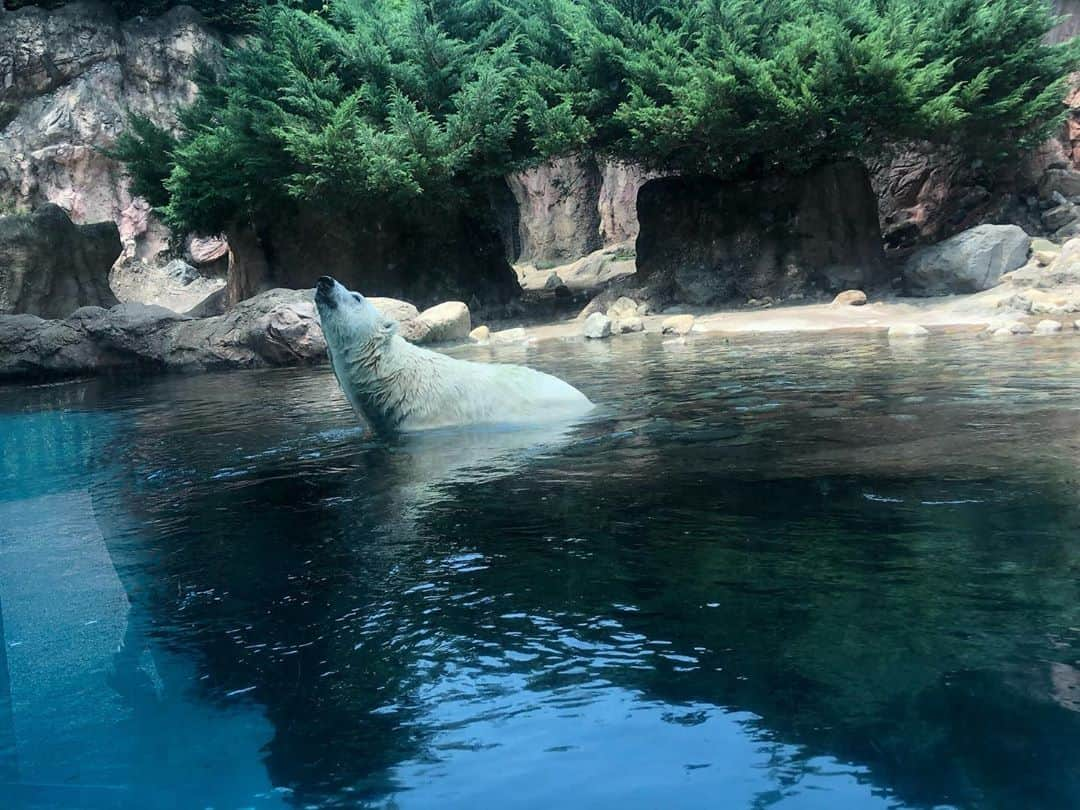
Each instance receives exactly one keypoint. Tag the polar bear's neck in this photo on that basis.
(383, 378)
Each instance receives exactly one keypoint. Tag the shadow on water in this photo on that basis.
(833, 574)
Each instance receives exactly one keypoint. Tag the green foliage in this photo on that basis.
(731, 87)
(145, 148)
(398, 103)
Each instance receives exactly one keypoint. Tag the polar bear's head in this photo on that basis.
(348, 319)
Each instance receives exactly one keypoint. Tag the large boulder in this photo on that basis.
(969, 262)
(590, 273)
(445, 322)
(705, 241)
(50, 267)
(89, 340)
(279, 327)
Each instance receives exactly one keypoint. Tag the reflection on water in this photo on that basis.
(764, 574)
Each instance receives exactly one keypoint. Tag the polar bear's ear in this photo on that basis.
(388, 327)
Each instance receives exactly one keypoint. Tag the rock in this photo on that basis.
(1044, 251)
(180, 272)
(447, 321)
(926, 192)
(1067, 231)
(677, 325)
(278, 327)
(850, 298)
(50, 267)
(400, 311)
(177, 285)
(1064, 181)
(213, 304)
(617, 203)
(625, 326)
(969, 262)
(69, 77)
(480, 334)
(907, 331)
(597, 269)
(201, 250)
(597, 325)
(704, 241)
(1013, 328)
(553, 281)
(622, 308)
(415, 331)
(515, 335)
(1043, 302)
(1047, 327)
(558, 218)
(1060, 216)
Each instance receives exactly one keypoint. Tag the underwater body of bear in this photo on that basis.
(397, 386)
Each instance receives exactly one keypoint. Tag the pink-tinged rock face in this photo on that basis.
(206, 249)
(68, 78)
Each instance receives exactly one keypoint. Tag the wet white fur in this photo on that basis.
(397, 386)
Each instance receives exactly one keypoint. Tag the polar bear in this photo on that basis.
(396, 386)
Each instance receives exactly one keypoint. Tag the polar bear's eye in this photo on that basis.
(357, 298)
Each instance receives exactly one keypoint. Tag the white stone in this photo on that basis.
(515, 335)
(677, 325)
(400, 311)
(850, 298)
(597, 325)
(449, 320)
(480, 334)
(907, 331)
(622, 308)
(1047, 327)
(629, 324)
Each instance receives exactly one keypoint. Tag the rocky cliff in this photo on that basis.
(68, 78)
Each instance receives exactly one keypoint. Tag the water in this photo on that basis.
(766, 574)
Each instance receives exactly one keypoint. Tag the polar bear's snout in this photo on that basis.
(325, 289)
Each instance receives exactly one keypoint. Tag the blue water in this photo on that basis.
(768, 573)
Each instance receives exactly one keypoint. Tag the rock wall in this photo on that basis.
(925, 193)
(617, 203)
(68, 77)
(704, 241)
(433, 257)
(50, 267)
(572, 206)
(558, 215)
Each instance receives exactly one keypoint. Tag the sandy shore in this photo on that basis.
(956, 313)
